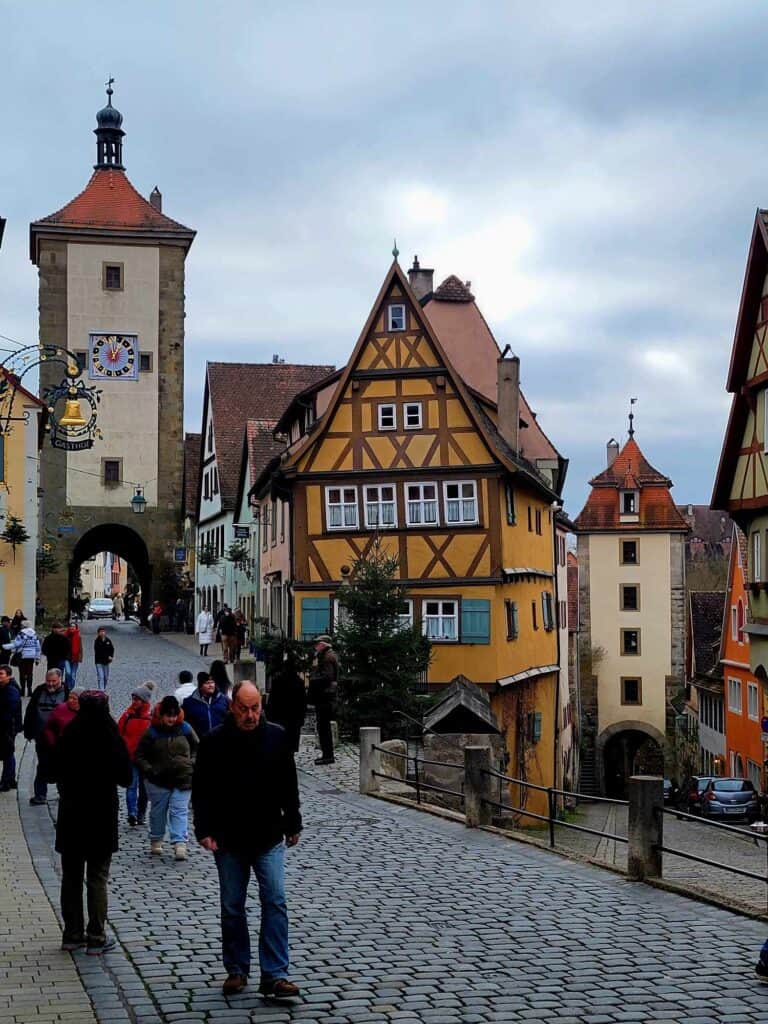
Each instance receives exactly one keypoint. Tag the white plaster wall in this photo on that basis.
(128, 414)
(654, 620)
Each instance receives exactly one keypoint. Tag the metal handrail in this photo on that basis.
(516, 782)
(415, 757)
(421, 785)
(713, 863)
(716, 824)
(589, 796)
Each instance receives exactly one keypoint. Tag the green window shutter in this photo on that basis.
(315, 616)
(475, 621)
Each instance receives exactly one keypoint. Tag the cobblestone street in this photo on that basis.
(401, 916)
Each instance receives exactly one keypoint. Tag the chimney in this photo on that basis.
(612, 450)
(156, 199)
(420, 279)
(508, 395)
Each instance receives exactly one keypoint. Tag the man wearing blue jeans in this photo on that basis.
(103, 655)
(245, 798)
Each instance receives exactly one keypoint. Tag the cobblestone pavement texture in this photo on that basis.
(402, 916)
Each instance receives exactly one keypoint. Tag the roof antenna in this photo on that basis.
(631, 418)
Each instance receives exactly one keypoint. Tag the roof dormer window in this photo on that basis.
(396, 318)
(630, 503)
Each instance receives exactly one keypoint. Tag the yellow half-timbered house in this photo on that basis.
(398, 447)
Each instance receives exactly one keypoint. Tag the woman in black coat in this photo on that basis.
(90, 761)
(287, 703)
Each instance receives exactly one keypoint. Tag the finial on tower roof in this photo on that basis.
(631, 418)
(109, 83)
(109, 134)
(395, 250)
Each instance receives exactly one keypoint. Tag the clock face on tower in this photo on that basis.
(113, 357)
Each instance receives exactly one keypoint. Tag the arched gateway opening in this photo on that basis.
(121, 541)
(626, 749)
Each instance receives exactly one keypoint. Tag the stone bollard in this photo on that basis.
(370, 759)
(646, 826)
(477, 761)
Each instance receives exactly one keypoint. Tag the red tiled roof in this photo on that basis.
(453, 290)
(630, 469)
(191, 472)
(238, 392)
(109, 200)
(262, 447)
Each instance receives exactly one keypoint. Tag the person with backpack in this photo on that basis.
(166, 755)
(26, 650)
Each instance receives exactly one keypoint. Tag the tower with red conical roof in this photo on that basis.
(631, 553)
(111, 289)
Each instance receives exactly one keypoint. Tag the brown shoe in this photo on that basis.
(279, 988)
(235, 983)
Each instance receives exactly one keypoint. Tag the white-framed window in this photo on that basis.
(440, 620)
(387, 417)
(547, 615)
(753, 708)
(757, 563)
(734, 695)
(405, 618)
(341, 508)
(421, 505)
(396, 317)
(412, 416)
(755, 775)
(629, 502)
(734, 623)
(460, 501)
(380, 506)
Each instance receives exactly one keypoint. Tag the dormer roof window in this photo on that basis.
(630, 503)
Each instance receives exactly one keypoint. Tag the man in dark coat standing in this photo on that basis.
(89, 762)
(246, 822)
(10, 725)
(323, 683)
(44, 699)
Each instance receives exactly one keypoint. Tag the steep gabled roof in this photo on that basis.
(630, 470)
(192, 443)
(482, 422)
(259, 449)
(706, 614)
(239, 392)
(749, 314)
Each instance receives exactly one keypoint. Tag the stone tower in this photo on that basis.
(111, 291)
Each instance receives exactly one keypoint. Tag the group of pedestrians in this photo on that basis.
(227, 627)
(62, 648)
(168, 755)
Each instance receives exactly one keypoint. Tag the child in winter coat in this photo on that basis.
(166, 755)
(132, 725)
(26, 650)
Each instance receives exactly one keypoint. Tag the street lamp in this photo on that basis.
(138, 501)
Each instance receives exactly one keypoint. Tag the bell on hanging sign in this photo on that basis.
(72, 417)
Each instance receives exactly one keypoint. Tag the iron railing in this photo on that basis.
(417, 782)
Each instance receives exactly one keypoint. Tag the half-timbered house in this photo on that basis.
(399, 449)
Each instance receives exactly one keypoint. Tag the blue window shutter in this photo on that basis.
(475, 621)
(315, 616)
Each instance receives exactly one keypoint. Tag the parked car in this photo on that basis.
(100, 608)
(671, 792)
(730, 798)
(690, 795)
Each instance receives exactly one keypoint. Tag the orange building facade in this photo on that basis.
(744, 694)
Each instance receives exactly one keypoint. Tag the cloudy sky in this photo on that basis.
(592, 167)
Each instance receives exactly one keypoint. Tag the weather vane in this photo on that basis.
(110, 82)
(631, 417)
(395, 250)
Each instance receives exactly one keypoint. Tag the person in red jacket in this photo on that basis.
(75, 653)
(132, 725)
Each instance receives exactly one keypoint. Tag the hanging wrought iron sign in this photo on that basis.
(72, 409)
(72, 405)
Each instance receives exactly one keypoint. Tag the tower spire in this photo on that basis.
(631, 418)
(109, 134)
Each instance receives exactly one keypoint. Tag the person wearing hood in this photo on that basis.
(10, 726)
(206, 708)
(132, 725)
(166, 755)
(89, 762)
(26, 649)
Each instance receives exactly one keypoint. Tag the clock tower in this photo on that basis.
(111, 290)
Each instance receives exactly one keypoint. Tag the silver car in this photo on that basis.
(730, 798)
(100, 608)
